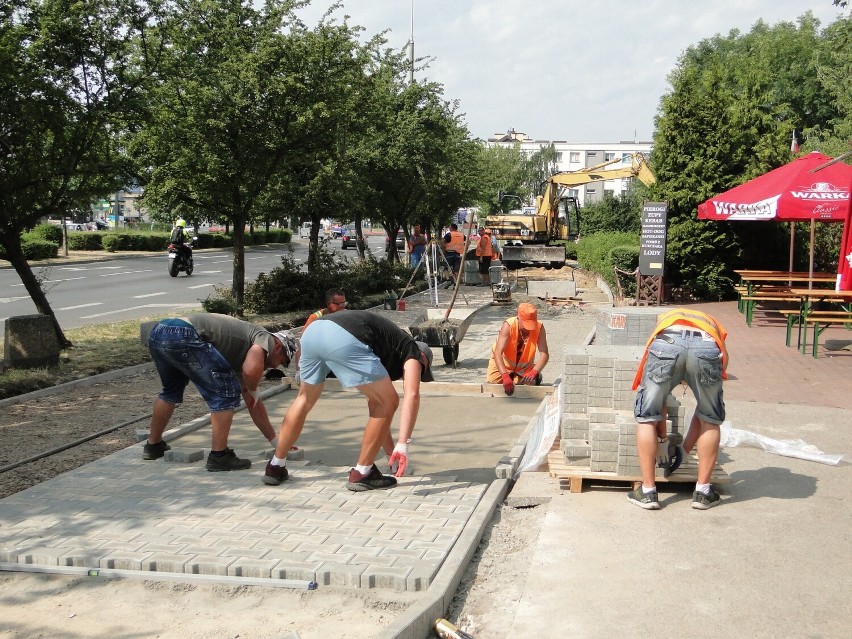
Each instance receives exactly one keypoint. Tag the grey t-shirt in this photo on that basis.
(231, 336)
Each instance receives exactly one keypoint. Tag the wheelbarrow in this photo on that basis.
(436, 330)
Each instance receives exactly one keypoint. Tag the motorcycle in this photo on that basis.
(181, 260)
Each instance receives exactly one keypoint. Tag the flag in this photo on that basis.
(794, 146)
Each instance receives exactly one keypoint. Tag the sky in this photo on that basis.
(579, 71)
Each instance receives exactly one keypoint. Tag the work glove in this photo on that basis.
(399, 460)
(529, 378)
(508, 384)
(255, 397)
(663, 453)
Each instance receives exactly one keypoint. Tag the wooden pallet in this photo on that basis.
(572, 477)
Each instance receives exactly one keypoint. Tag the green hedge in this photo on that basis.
(34, 249)
(601, 252)
(47, 232)
(158, 240)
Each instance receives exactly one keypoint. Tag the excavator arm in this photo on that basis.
(548, 201)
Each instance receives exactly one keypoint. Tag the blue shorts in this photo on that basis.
(182, 356)
(327, 347)
(676, 358)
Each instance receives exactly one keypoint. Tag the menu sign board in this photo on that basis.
(652, 241)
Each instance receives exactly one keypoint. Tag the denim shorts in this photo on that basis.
(182, 356)
(676, 358)
(328, 347)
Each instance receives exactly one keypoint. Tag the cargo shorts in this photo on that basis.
(681, 356)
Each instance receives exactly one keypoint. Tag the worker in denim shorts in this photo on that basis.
(225, 358)
(686, 346)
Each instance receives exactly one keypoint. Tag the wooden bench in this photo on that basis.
(750, 301)
(821, 320)
(794, 317)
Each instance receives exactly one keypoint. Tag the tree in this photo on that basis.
(416, 161)
(727, 119)
(503, 172)
(73, 76)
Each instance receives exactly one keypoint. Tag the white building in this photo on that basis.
(571, 156)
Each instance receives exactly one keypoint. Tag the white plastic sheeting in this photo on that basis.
(733, 437)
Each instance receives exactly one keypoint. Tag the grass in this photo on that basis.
(99, 348)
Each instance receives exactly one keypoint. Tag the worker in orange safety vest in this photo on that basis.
(520, 353)
(686, 346)
(453, 246)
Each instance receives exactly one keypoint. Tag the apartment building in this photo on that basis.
(571, 156)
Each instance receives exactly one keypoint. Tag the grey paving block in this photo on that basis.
(300, 570)
(248, 567)
(183, 455)
(340, 574)
(385, 577)
(208, 565)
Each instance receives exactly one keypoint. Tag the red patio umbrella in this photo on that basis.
(791, 193)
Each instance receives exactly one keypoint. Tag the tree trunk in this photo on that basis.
(238, 284)
(33, 286)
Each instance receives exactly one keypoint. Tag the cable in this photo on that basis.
(83, 440)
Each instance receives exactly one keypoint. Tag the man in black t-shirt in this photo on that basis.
(367, 351)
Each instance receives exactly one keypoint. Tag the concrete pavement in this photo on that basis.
(771, 560)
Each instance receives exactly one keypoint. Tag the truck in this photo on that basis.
(528, 235)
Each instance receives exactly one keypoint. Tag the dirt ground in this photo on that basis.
(33, 605)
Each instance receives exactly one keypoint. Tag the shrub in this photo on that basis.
(598, 253)
(83, 241)
(47, 232)
(221, 302)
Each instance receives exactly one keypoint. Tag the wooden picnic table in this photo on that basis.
(772, 286)
(809, 298)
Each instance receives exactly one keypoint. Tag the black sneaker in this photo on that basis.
(648, 501)
(701, 501)
(228, 461)
(371, 481)
(274, 475)
(155, 451)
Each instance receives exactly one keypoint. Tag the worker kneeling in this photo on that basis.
(520, 353)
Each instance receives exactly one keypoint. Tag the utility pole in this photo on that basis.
(411, 48)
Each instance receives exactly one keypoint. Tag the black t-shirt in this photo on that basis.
(392, 345)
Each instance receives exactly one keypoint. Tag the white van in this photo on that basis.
(305, 229)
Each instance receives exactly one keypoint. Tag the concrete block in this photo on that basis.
(552, 288)
(575, 448)
(184, 456)
(30, 341)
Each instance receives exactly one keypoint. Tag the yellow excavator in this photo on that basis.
(525, 235)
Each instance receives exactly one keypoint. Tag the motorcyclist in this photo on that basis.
(180, 239)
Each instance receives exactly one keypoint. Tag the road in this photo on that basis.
(86, 293)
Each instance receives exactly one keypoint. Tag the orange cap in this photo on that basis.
(528, 316)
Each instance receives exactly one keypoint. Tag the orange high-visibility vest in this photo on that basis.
(313, 316)
(687, 317)
(456, 242)
(514, 363)
(484, 248)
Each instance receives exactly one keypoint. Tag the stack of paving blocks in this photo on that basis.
(598, 429)
(628, 326)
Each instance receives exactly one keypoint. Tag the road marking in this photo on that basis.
(69, 279)
(200, 285)
(136, 308)
(6, 300)
(147, 270)
(139, 297)
(223, 262)
(71, 308)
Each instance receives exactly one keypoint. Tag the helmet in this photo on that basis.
(180, 222)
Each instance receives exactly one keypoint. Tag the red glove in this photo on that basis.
(399, 459)
(508, 384)
(529, 377)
